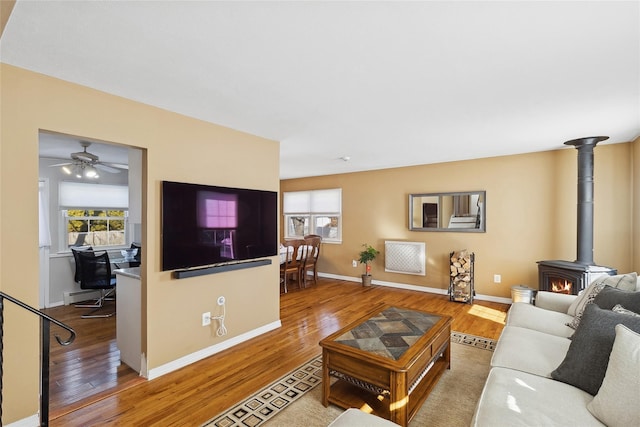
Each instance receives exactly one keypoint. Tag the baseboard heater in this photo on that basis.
(405, 257)
(77, 296)
(193, 272)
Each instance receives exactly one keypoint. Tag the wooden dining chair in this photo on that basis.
(313, 242)
(293, 262)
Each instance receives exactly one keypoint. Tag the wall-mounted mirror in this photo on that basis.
(461, 211)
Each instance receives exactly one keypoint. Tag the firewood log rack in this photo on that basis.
(461, 278)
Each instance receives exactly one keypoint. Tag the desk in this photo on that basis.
(389, 361)
(129, 318)
(123, 262)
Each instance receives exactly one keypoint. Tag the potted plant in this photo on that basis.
(367, 255)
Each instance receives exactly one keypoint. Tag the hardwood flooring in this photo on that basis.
(198, 392)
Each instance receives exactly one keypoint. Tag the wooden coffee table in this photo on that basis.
(387, 362)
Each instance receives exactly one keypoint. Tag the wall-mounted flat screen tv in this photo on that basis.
(204, 225)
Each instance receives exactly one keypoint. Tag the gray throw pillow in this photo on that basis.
(620, 309)
(586, 361)
(609, 297)
(625, 282)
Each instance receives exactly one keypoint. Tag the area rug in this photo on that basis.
(295, 398)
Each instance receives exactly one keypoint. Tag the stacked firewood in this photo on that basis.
(461, 274)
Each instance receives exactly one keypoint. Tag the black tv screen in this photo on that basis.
(204, 225)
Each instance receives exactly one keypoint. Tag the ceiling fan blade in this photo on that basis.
(116, 165)
(61, 164)
(106, 168)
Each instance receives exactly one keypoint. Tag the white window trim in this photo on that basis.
(62, 229)
(89, 196)
(313, 204)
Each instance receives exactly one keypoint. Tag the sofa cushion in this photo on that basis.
(512, 398)
(531, 317)
(529, 351)
(586, 361)
(624, 282)
(609, 297)
(616, 403)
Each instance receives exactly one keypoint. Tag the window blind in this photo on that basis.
(314, 201)
(78, 194)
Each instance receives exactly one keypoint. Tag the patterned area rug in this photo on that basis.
(265, 404)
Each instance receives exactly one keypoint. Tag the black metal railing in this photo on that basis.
(45, 336)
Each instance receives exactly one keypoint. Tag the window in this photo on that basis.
(95, 227)
(93, 214)
(313, 212)
(218, 219)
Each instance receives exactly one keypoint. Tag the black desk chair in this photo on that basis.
(74, 250)
(138, 257)
(95, 274)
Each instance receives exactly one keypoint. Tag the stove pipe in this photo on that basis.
(585, 196)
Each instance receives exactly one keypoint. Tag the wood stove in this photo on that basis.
(571, 277)
(567, 277)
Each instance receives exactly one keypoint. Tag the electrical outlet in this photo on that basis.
(354, 263)
(206, 318)
(497, 278)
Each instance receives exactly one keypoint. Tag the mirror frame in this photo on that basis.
(414, 198)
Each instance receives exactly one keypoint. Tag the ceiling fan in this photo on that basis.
(84, 163)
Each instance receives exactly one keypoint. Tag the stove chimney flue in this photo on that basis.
(585, 148)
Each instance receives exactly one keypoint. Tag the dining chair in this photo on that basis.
(293, 261)
(313, 242)
(95, 274)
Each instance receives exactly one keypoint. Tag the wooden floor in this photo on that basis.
(198, 392)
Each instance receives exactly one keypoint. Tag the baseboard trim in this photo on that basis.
(82, 295)
(33, 420)
(414, 287)
(209, 351)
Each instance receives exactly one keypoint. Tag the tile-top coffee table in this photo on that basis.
(386, 362)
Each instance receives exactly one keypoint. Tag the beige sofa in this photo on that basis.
(537, 346)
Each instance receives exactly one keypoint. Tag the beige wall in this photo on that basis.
(635, 200)
(531, 215)
(177, 148)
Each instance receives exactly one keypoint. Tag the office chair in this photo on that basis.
(74, 250)
(95, 274)
(138, 257)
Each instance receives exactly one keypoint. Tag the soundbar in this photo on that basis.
(193, 272)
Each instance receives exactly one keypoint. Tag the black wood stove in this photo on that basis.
(571, 277)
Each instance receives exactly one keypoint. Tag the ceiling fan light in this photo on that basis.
(90, 172)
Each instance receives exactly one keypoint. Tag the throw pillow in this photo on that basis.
(616, 403)
(585, 363)
(609, 297)
(620, 281)
(620, 309)
(586, 298)
(625, 282)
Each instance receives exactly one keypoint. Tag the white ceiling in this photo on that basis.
(386, 83)
(58, 146)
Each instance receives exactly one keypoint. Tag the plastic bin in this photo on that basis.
(522, 293)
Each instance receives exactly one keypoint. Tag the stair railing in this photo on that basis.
(45, 335)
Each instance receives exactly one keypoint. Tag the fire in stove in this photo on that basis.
(561, 286)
